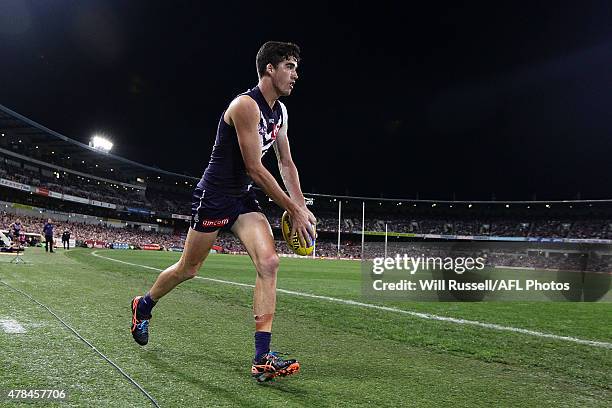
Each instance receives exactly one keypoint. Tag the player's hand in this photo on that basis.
(302, 221)
(313, 222)
(311, 217)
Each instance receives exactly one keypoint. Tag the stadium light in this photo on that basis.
(101, 143)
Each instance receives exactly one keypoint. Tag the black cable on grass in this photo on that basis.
(108, 360)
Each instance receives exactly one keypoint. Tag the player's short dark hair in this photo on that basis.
(274, 52)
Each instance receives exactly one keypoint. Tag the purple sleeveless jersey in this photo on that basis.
(226, 173)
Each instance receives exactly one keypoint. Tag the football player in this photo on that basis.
(253, 122)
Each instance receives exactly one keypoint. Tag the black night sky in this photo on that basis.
(509, 99)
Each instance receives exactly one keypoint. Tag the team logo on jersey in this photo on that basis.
(262, 129)
(268, 130)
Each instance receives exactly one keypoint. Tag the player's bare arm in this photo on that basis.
(243, 114)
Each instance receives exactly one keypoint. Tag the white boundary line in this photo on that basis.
(420, 315)
(11, 326)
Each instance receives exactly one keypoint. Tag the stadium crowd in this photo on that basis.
(82, 186)
(67, 183)
(108, 235)
(594, 228)
(101, 233)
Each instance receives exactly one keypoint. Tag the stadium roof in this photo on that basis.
(13, 124)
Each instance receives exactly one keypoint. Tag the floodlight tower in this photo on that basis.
(101, 143)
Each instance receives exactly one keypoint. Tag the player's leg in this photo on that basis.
(197, 247)
(255, 233)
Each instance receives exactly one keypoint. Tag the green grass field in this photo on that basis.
(201, 340)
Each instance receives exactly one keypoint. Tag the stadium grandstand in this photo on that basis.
(46, 174)
(106, 200)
